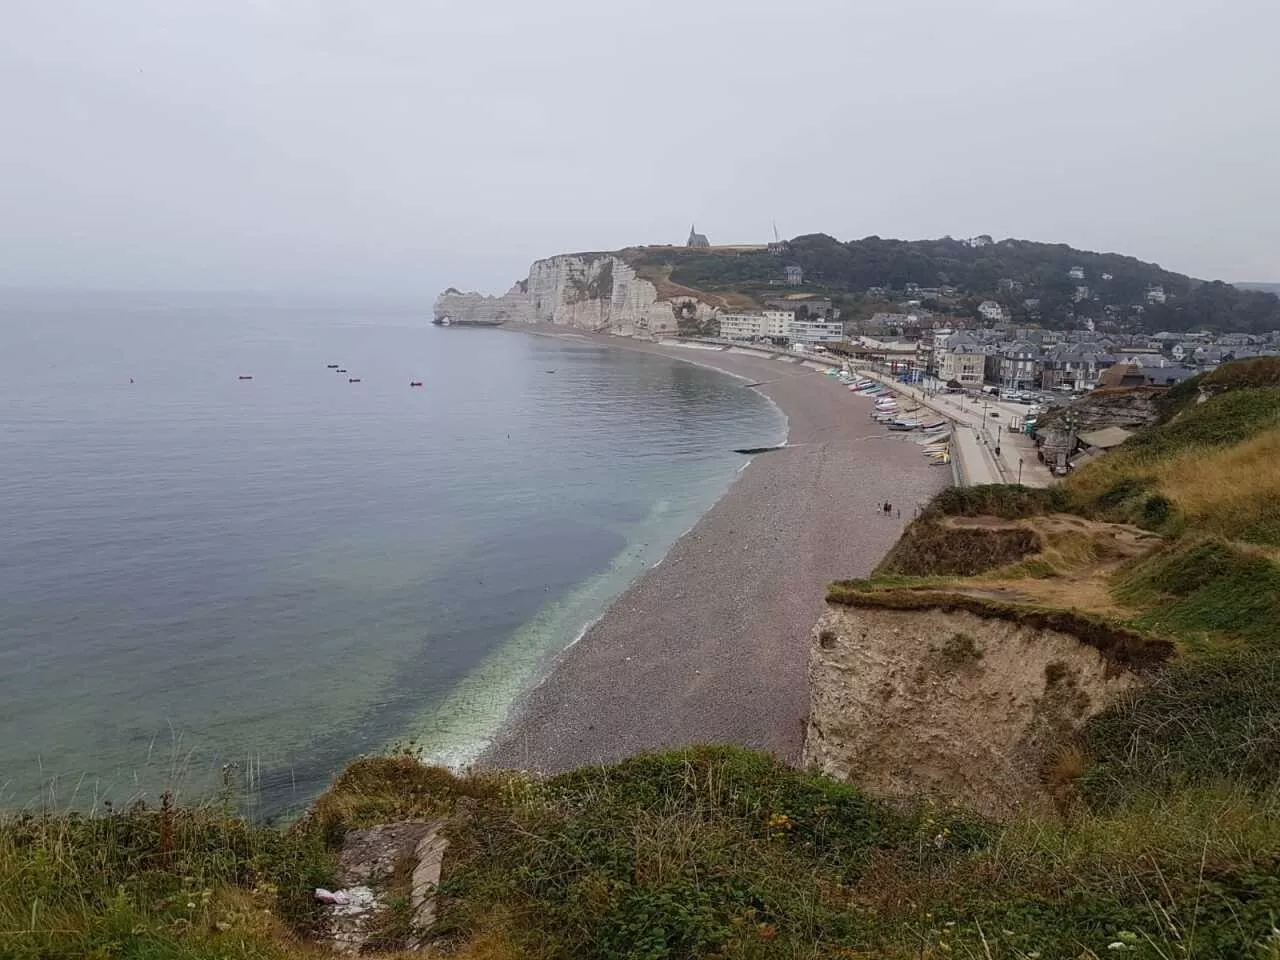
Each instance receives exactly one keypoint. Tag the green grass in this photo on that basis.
(1209, 721)
(154, 883)
(1210, 594)
(1222, 421)
(707, 852)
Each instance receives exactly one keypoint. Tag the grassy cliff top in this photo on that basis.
(710, 852)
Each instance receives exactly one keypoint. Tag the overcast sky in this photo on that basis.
(401, 145)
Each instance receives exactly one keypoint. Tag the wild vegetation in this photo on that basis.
(1029, 270)
(1166, 843)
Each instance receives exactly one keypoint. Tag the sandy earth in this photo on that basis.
(712, 644)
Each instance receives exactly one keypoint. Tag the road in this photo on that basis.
(978, 435)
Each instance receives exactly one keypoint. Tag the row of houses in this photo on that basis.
(1024, 365)
(974, 358)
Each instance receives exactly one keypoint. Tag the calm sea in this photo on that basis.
(284, 572)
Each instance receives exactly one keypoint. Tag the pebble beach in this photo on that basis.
(711, 645)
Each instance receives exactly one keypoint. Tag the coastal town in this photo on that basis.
(1024, 402)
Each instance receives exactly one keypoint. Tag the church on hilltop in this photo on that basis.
(697, 239)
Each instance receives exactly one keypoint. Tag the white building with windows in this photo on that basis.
(779, 325)
(772, 324)
(815, 331)
(1156, 294)
(991, 310)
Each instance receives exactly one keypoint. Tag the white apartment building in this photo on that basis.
(780, 325)
(752, 326)
(815, 331)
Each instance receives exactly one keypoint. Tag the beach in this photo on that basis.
(711, 645)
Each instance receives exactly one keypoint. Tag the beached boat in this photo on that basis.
(467, 322)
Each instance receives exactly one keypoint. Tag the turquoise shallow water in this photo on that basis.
(284, 572)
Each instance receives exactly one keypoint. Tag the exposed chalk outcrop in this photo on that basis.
(600, 292)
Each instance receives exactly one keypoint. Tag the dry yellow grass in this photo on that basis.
(660, 277)
(1074, 569)
(1226, 491)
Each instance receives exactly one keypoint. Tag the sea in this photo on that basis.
(231, 587)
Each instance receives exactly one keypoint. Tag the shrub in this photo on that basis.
(1007, 501)
(930, 549)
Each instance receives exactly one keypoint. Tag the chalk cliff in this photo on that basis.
(600, 292)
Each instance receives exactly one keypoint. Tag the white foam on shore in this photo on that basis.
(457, 730)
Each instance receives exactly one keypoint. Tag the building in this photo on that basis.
(1155, 294)
(815, 331)
(1122, 375)
(696, 239)
(779, 325)
(960, 360)
(990, 310)
(1074, 366)
(770, 325)
(803, 304)
(1082, 293)
(1020, 365)
(1076, 273)
(795, 275)
(897, 353)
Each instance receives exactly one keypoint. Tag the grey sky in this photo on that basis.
(399, 145)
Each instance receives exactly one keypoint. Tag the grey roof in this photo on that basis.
(1021, 348)
(962, 340)
(1164, 376)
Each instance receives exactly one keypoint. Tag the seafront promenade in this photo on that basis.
(976, 436)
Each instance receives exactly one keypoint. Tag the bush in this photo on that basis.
(929, 549)
(1007, 501)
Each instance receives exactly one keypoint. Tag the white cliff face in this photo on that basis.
(597, 292)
